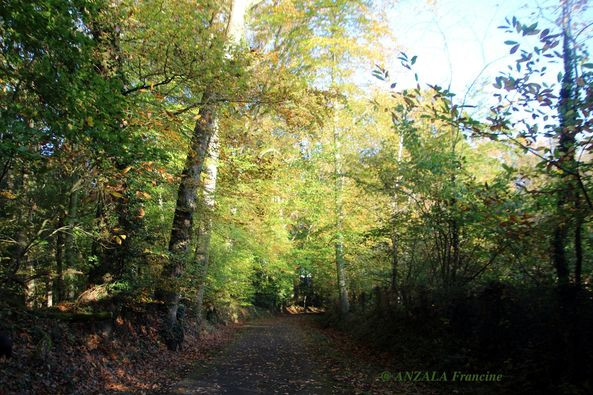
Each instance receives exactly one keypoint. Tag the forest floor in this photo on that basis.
(124, 354)
(282, 354)
(290, 354)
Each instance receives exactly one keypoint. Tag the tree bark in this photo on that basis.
(566, 145)
(71, 217)
(18, 252)
(339, 207)
(236, 26)
(32, 283)
(204, 129)
(395, 212)
(235, 33)
(203, 241)
(578, 244)
(185, 208)
(394, 260)
(59, 296)
(31, 286)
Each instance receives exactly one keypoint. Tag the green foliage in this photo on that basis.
(100, 101)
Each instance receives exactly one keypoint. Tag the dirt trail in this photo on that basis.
(271, 355)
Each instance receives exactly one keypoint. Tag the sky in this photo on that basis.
(458, 42)
(453, 39)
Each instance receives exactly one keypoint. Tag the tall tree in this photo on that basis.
(567, 132)
(338, 55)
(236, 34)
(204, 129)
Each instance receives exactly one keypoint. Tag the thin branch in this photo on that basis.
(225, 100)
(5, 169)
(581, 31)
(146, 86)
(490, 262)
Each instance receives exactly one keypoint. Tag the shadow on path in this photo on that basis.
(269, 356)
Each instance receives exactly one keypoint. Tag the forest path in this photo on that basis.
(270, 355)
(293, 354)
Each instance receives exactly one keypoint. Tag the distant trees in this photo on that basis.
(328, 40)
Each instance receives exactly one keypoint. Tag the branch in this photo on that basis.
(490, 262)
(226, 100)
(581, 31)
(5, 168)
(145, 86)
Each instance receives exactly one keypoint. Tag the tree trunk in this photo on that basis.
(454, 248)
(566, 145)
(395, 212)
(578, 244)
(114, 259)
(32, 283)
(186, 206)
(559, 255)
(204, 129)
(96, 273)
(394, 260)
(31, 287)
(60, 262)
(236, 26)
(71, 216)
(203, 242)
(49, 292)
(339, 207)
(18, 251)
(235, 33)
